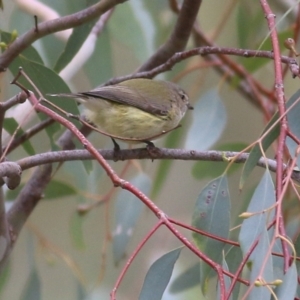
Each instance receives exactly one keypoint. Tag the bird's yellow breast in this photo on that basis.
(128, 122)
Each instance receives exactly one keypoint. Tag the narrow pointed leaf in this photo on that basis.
(262, 199)
(158, 276)
(74, 43)
(10, 125)
(137, 42)
(233, 259)
(212, 169)
(208, 123)
(262, 267)
(4, 278)
(32, 290)
(212, 214)
(187, 279)
(128, 209)
(287, 290)
(227, 280)
(163, 170)
(76, 231)
(58, 189)
(294, 124)
(30, 52)
(48, 82)
(255, 153)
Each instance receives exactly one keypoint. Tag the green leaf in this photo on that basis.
(55, 189)
(212, 215)
(81, 292)
(10, 125)
(208, 123)
(253, 64)
(158, 276)
(74, 43)
(227, 280)
(58, 189)
(128, 209)
(76, 230)
(136, 42)
(29, 53)
(47, 82)
(249, 22)
(233, 259)
(213, 169)
(13, 194)
(172, 141)
(32, 290)
(287, 290)
(262, 199)
(103, 62)
(242, 24)
(5, 275)
(255, 153)
(294, 124)
(245, 36)
(187, 279)
(278, 262)
(262, 267)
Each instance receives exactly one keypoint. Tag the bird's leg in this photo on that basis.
(116, 150)
(152, 149)
(116, 145)
(149, 144)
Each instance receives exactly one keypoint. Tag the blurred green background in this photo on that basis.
(64, 254)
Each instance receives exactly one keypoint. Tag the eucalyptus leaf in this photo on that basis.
(128, 209)
(136, 42)
(287, 290)
(76, 231)
(212, 169)
(212, 214)
(208, 122)
(32, 289)
(10, 125)
(158, 276)
(294, 124)
(262, 267)
(187, 279)
(270, 133)
(262, 207)
(74, 43)
(227, 280)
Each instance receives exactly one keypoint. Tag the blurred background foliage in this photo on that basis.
(63, 255)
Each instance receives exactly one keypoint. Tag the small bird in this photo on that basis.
(135, 110)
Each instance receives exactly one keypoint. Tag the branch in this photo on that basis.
(143, 153)
(5, 239)
(4, 106)
(10, 173)
(48, 27)
(86, 50)
(42, 12)
(28, 198)
(28, 134)
(118, 181)
(179, 37)
(203, 51)
(24, 205)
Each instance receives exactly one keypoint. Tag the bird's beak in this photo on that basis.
(189, 106)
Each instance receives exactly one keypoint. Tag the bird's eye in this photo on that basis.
(183, 96)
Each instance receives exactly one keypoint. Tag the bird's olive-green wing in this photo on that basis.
(155, 99)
